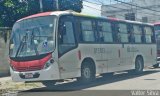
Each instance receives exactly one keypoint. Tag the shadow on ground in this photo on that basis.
(74, 86)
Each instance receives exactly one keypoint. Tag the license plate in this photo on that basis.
(28, 75)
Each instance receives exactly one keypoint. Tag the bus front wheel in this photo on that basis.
(87, 73)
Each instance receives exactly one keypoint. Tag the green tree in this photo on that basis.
(50, 5)
(75, 5)
(12, 10)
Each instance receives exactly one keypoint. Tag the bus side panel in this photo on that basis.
(69, 65)
(148, 52)
(111, 56)
(94, 52)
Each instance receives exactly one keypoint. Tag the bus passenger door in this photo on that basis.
(68, 60)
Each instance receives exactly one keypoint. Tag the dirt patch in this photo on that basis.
(8, 86)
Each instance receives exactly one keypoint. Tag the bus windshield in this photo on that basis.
(34, 36)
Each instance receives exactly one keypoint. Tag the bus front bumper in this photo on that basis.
(51, 73)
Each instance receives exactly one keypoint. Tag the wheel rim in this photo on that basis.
(139, 65)
(87, 73)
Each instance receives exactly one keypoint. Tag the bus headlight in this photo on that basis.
(48, 64)
(12, 68)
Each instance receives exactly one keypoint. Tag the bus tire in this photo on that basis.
(139, 65)
(48, 83)
(87, 73)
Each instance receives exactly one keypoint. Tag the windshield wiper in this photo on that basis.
(32, 41)
(21, 44)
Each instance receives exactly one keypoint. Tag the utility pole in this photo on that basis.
(57, 5)
(41, 5)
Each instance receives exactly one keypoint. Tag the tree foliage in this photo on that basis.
(75, 5)
(12, 10)
(50, 5)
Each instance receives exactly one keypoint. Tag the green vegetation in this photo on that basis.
(12, 10)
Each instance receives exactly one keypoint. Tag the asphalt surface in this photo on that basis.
(120, 84)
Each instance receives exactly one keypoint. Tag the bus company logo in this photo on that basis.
(132, 49)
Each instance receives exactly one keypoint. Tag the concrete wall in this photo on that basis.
(4, 64)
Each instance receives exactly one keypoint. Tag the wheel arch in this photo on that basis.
(89, 59)
(140, 56)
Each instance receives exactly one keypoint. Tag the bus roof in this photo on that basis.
(58, 13)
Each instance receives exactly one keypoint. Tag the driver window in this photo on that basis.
(66, 36)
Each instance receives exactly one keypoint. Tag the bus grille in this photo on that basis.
(31, 68)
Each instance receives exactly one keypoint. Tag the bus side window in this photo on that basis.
(87, 31)
(148, 34)
(137, 31)
(123, 33)
(105, 32)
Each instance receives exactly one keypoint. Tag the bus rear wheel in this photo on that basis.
(139, 65)
(87, 73)
(48, 83)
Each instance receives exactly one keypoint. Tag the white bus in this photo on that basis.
(58, 45)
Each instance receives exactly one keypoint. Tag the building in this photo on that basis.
(138, 10)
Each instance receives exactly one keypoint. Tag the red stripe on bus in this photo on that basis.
(157, 23)
(113, 19)
(30, 65)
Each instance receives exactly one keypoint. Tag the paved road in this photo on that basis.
(104, 86)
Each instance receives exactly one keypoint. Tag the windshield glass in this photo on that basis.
(34, 36)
